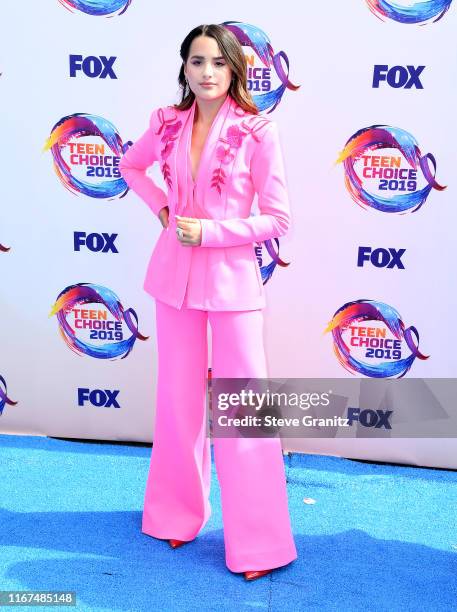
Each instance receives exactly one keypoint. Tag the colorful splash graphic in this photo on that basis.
(260, 77)
(92, 148)
(373, 340)
(419, 12)
(4, 399)
(272, 249)
(388, 171)
(99, 8)
(95, 322)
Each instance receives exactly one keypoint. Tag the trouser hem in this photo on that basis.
(262, 561)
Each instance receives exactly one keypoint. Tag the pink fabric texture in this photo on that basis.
(257, 529)
(242, 156)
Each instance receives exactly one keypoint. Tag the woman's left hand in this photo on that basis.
(192, 230)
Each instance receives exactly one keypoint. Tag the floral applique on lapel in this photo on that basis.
(171, 128)
(232, 141)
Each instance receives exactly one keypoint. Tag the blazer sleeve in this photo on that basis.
(268, 177)
(142, 154)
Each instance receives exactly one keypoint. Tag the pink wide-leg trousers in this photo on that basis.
(257, 528)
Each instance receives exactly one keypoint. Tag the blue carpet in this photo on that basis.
(378, 538)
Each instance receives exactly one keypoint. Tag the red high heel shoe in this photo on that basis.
(176, 543)
(256, 574)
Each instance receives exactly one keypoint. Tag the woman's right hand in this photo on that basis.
(163, 216)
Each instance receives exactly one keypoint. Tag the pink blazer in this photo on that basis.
(241, 156)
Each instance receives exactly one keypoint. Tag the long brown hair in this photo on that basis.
(232, 52)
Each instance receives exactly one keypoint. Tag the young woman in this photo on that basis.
(215, 152)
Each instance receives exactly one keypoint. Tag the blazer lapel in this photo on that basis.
(182, 156)
(176, 136)
(211, 139)
(172, 123)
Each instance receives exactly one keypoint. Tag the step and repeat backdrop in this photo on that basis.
(364, 93)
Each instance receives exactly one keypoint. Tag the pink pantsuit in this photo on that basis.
(217, 281)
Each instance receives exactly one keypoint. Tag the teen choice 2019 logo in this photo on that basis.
(267, 254)
(100, 8)
(267, 79)
(86, 150)
(370, 338)
(87, 312)
(410, 11)
(4, 399)
(385, 170)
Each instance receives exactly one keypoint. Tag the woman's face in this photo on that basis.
(206, 70)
